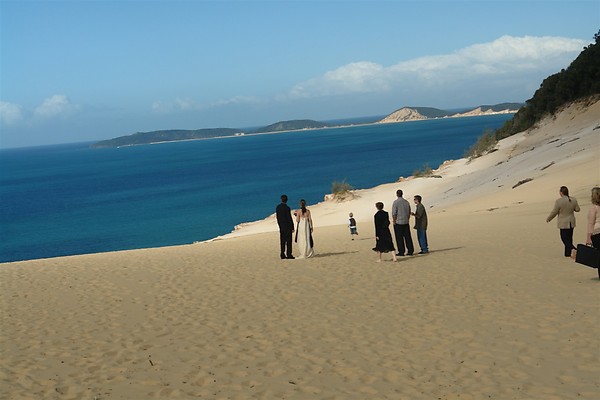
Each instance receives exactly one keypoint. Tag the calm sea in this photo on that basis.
(72, 199)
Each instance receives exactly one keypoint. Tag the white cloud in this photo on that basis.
(237, 100)
(56, 106)
(508, 58)
(179, 104)
(10, 113)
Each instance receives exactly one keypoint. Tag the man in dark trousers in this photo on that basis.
(286, 228)
(400, 216)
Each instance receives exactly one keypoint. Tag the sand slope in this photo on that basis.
(493, 312)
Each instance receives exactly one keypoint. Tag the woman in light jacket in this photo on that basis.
(593, 230)
(565, 207)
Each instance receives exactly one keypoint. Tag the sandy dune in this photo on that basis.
(493, 312)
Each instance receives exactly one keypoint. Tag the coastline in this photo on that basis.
(465, 115)
(494, 311)
(518, 157)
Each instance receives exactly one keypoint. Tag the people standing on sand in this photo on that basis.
(286, 228)
(565, 208)
(420, 215)
(352, 225)
(593, 225)
(383, 237)
(304, 231)
(400, 217)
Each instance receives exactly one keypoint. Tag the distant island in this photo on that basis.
(403, 114)
(174, 135)
(294, 125)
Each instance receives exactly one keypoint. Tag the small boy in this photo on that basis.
(352, 225)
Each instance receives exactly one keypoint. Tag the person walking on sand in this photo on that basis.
(593, 225)
(304, 231)
(565, 208)
(352, 225)
(383, 237)
(286, 228)
(400, 217)
(421, 224)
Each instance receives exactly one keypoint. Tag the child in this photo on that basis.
(352, 225)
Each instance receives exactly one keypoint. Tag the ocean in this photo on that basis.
(72, 199)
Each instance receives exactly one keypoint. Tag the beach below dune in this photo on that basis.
(494, 311)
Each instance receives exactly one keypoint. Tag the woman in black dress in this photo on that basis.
(383, 237)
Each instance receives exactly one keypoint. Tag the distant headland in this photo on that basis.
(403, 114)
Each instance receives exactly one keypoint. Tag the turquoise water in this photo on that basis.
(72, 199)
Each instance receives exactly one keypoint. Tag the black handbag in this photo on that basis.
(588, 256)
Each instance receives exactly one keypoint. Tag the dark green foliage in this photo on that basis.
(292, 126)
(580, 80)
(485, 144)
(166, 136)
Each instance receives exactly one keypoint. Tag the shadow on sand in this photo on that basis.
(319, 255)
(449, 249)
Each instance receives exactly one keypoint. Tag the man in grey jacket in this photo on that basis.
(400, 216)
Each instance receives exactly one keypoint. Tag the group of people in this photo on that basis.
(303, 229)
(401, 213)
(565, 208)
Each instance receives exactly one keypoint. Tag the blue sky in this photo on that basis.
(76, 71)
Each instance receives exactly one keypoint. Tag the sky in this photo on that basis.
(88, 70)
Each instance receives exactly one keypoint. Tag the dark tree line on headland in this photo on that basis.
(581, 79)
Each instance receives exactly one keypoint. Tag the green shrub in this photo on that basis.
(485, 144)
(423, 172)
(340, 188)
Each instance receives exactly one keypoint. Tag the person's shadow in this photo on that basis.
(448, 249)
(319, 255)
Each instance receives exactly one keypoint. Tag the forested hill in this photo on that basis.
(167, 136)
(173, 135)
(580, 80)
(293, 125)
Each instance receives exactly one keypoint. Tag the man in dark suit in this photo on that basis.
(286, 228)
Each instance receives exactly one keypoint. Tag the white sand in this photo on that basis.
(493, 312)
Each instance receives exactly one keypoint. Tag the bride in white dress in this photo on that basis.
(304, 231)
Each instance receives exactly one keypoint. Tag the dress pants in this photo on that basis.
(596, 241)
(566, 235)
(285, 241)
(402, 233)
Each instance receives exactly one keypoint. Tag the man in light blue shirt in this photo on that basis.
(400, 216)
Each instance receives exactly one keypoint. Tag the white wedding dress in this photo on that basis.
(304, 246)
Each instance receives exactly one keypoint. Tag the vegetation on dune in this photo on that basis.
(423, 172)
(485, 144)
(341, 190)
(581, 79)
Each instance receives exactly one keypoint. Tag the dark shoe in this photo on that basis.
(423, 252)
(399, 255)
(291, 257)
(410, 254)
(282, 256)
